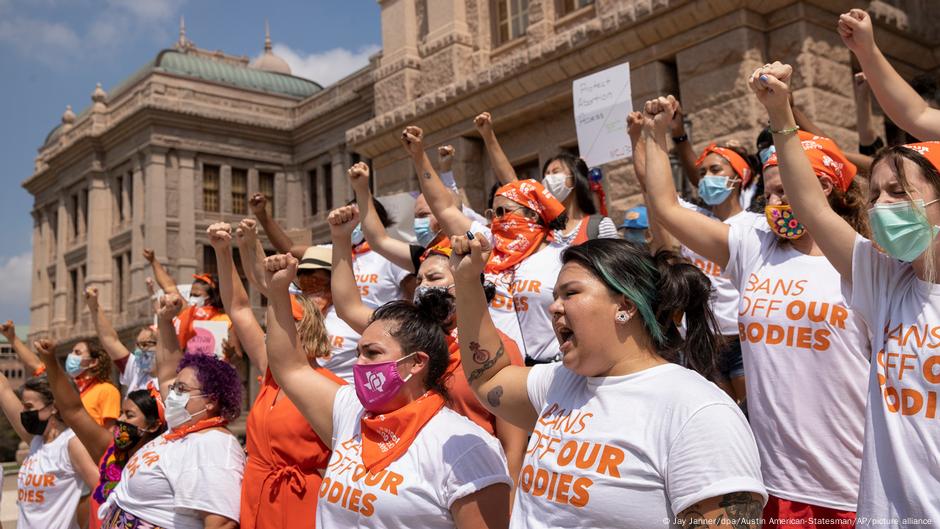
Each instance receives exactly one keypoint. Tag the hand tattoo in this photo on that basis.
(488, 360)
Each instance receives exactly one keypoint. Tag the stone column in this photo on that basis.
(98, 251)
(140, 268)
(338, 175)
(186, 260)
(822, 76)
(293, 212)
(155, 204)
(225, 189)
(39, 300)
(398, 73)
(715, 96)
(60, 296)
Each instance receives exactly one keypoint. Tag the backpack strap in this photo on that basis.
(594, 226)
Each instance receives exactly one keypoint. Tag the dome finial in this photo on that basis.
(68, 117)
(267, 36)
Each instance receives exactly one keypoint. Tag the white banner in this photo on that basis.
(602, 102)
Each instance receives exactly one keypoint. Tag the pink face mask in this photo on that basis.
(378, 383)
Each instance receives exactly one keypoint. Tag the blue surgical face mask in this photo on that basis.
(714, 189)
(902, 229)
(357, 236)
(423, 231)
(73, 365)
(765, 154)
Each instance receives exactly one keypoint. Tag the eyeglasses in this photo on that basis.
(502, 211)
(180, 387)
(146, 345)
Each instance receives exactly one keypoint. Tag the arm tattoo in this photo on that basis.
(494, 395)
(484, 358)
(427, 175)
(737, 510)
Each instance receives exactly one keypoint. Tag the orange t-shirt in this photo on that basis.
(102, 401)
(462, 398)
(281, 482)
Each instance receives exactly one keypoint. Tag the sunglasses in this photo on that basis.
(502, 211)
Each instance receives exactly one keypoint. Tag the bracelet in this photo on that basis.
(680, 139)
(786, 131)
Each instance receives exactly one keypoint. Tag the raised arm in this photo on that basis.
(505, 174)
(251, 254)
(396, 251)
(346, 297)
(440, 199)
(69, 404)
(864, 118)
(311, 392)
(898, 100)
(684, 149)
(500, 386)
(163, 277)
(835, 237)
(168, 352)
(235, 299)
(661, 238)
(705, 236)
(12, 407)
(276, 234)
(108, 337)
(29, 358)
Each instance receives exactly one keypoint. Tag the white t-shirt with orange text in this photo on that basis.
(48, 487)
(379, 280)
(630, 451)
(900, 481)
(449, 459)
(806, 362)
(343, 343)
(169, 483)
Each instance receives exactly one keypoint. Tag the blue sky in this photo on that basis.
(52, 52)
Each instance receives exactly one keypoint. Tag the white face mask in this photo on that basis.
(175, 409)
(197, 301)
(556, 185)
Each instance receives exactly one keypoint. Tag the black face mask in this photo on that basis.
(31, 422)
(126, 435)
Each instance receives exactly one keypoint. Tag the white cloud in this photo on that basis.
(48, 42)
(326, 67)
(148, 10)
(16, 272)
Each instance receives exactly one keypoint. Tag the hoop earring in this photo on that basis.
(621, 317)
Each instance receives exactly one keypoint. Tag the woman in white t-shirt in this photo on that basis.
(400, 457)
(895, 292)
(805, 352)
(622, 435)
(58, 469)
(190, 477)
(526, 220)
(136, 367)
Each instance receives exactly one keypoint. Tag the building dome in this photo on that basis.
(269, 62)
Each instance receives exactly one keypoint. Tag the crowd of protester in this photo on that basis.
(759, 354)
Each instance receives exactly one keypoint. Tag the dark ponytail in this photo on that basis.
(421, 328)
(663, 289)
(685, 291)
(148, 406)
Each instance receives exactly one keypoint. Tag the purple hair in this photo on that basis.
(219, 381)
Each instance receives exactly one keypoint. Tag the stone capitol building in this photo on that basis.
(187, 138)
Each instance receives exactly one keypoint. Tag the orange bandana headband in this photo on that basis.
(155, 395)
(927, 149)
(205, 278)
(826, 158)
(441, 248)
(738, 163)
(534, 196)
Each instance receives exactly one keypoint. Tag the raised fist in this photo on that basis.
(169, 306)
(91, 298)
(412, 139)
(280, 270)
(658, 114)
(343, 221)
(771, 84)
(484, 123)
(149, 255)
(46, 349)
(469, 256)
(257, 203)
(358, 175)
(8, 330)
(220, 235)
(856, 31)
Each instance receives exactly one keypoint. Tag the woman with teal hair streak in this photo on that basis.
(627, 430)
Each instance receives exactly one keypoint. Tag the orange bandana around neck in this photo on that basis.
(387, 436)
(514, 238)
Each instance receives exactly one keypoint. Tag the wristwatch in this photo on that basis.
(680, 139)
